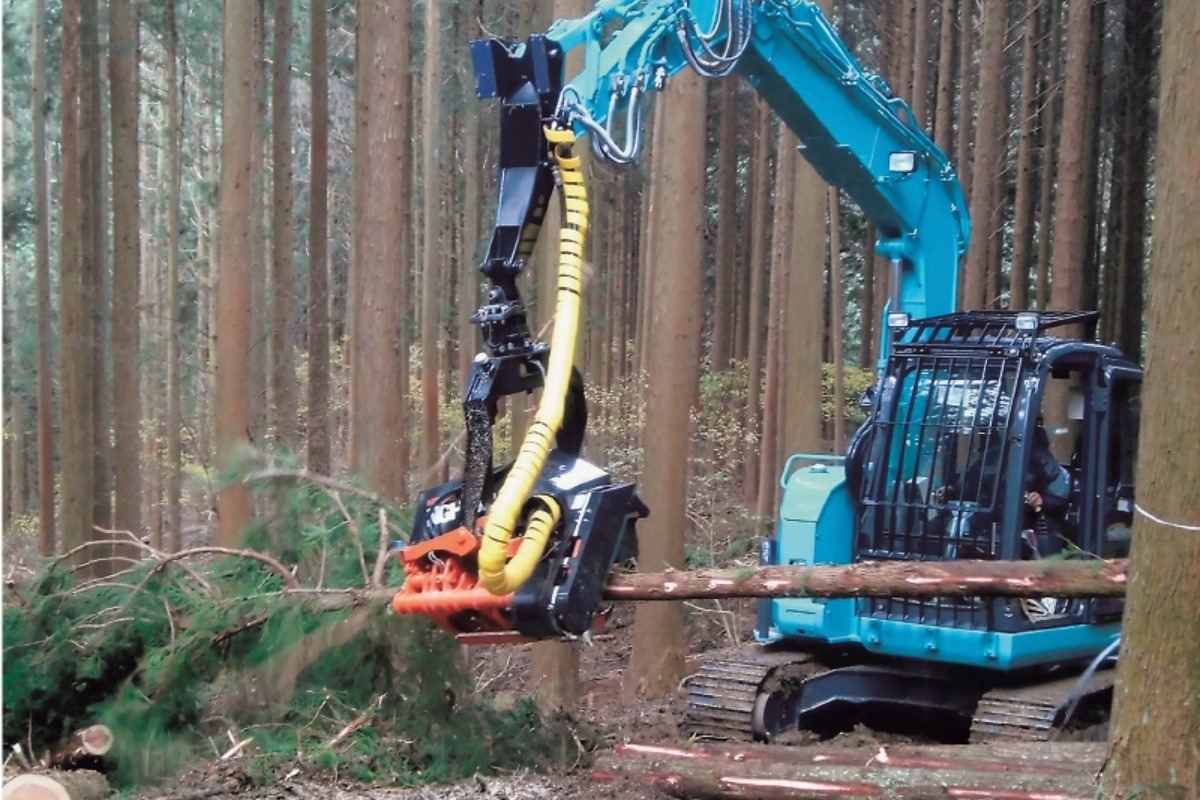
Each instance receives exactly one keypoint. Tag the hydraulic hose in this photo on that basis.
(495, 575)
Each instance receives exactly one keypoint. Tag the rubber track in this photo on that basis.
(1028, 713)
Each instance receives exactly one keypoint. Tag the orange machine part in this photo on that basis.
(444, 589)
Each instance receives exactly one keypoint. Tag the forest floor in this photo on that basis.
(604, 714)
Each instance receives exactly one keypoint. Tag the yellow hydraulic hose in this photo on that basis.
(494, 574)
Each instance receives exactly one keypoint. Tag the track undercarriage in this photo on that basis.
(758, 692)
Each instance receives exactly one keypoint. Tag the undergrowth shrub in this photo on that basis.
(176, 661)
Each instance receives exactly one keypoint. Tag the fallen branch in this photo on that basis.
(914, 579)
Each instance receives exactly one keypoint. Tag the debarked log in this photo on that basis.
(912, 579)
(1009, 772)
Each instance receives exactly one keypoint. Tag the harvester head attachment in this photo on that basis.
(561, 599)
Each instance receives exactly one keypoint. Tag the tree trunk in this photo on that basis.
(126, 333)
(1142, 21)
(866, 345)
(16, 461)
(174, 514)
(95, 244)
(803, 324)
(317, 427)
(943, 126)
(722, 330)
(41, 206)
(920, 61)
(781, 242)
(431, 274)
(281, 289)
(836, 326)
(1050, 103)
(1022, 255)
(760, 210)
(379, 409)
(989, 155)
(1070, 236)
(233, 298)
(673, 359)
(469, 295)
(913, 579)
(75, 282)
(1157, 675)
(966, 88)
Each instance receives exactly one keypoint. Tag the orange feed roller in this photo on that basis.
(440, 588)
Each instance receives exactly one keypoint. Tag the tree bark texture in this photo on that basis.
(989, 156)
(1155, 743)
(673, 357)
(75, 287)
(786, 159)
(1013, 772)
(381, 454)
(282, 290)
(1022, 253)
(41, 205)
(915, 579)
(317, 423)
(1051, 101)
(233, 294)
(943, 126)
(966, 89)
(431, 273)
(759, 266)
(727, 162)
(172, 317)
(123, 85)
(837, 333)
(1070, 237)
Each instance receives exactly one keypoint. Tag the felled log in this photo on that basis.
(914, 579)
(58, 785)
(84, 750)
(901, 772)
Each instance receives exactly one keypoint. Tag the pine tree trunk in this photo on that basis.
(803, 323)
(233, 300)
(673, 358)
(1142, 21)
(1050, 100)
(781, 243)
(379, 410)
(282, 290)
(431, 275)
(722, 330)
(1093, 166)
(985, 194)
(920, 62)
(966, 88)
(943, 126)
(1160, 648)
(469, 295)
(1070, 236)
(124, 88)
(760, 211)
(317, 425)
(866, 346)
(75, 322)
(1022, 256)
(174, 513)
(41, 206)
(837, 332)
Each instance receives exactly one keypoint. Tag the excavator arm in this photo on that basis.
(852, 130)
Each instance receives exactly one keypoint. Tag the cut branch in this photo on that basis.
(915, 579)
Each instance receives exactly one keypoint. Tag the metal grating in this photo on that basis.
(934, 477)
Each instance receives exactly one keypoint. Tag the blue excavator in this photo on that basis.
(969, 411)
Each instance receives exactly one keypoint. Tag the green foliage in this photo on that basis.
(855, 381)
(173, 659)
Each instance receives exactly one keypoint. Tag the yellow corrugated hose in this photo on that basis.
(495, 575)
